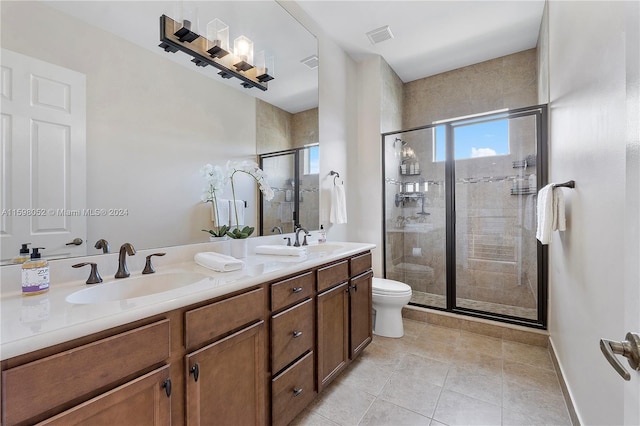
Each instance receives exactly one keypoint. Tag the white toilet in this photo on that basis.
(389, 297)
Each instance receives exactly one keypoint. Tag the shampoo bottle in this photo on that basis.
(24, 254)
(35, 274)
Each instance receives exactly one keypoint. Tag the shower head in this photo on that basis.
(399, 140)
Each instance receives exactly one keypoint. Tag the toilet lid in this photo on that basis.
(385, 286)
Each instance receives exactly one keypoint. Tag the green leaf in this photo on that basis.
(237, 233)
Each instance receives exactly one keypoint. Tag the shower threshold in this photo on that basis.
(428, 300)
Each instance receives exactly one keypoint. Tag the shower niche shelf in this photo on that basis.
(528, 191)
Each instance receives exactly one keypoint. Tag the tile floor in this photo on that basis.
(443, 376)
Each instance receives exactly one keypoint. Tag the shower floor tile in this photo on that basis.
(413, 385)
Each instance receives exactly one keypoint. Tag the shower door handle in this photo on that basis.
(629, 349)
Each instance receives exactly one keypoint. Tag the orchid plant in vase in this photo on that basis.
(216, 180)
(250, 168)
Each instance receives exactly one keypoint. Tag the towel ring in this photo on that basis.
(335, 176)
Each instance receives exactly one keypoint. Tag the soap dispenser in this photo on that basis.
(35, 274)
(24, 254)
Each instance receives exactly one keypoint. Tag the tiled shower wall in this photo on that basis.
(496, 248)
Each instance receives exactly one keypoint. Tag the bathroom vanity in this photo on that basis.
(251, 348)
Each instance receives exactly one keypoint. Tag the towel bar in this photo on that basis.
(567, 184)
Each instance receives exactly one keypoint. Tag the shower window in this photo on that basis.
(461, 233)
(474, 139)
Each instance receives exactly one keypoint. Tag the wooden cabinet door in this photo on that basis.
(361, 321)
(142, 401)
(226, 380)
(333, 333)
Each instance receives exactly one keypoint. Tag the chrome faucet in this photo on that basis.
(277, 228)
(123, 271)
(306, 234)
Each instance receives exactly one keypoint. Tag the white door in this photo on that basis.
(42, 157)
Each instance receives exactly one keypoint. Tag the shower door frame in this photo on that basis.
(296, 179)
(540, 114)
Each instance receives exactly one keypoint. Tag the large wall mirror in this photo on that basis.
(106, 136)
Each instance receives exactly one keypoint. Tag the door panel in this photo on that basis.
(43, 156)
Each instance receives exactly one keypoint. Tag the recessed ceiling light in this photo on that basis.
(311, 61)
(380, 34)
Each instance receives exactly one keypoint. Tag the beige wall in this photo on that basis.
(278, 130)
(593, 266)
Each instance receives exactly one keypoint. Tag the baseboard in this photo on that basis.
(575, 420)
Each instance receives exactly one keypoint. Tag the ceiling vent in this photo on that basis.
(311, 62)
(380, 34)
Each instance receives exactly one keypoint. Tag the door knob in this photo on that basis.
(75, 242)
(629, 349)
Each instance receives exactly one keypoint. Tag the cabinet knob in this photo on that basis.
(297, 392)
(195, 370)
(297, 289)
(167, 387)
(297, 334)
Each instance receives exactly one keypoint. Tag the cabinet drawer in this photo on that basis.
(38, 386)
(291, 334)
(287, 292)
(208, 322)
(292, 391)
(332, 275)
(360, 264)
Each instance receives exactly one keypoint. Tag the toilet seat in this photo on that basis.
(386, 287)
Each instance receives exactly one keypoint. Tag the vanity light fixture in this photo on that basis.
(214, 50)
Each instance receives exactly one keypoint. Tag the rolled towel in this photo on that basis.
(281, 250)
(218, 262)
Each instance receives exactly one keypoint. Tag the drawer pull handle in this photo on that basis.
(167, 387)
(297, 392)
(297, 334)
(195, 370)
(297, 289)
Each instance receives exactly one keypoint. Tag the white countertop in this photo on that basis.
(36, 322)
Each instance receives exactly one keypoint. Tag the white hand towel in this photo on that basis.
(239, 207)
(218, 262)
(281, 250)
(551, 215)
(559, 219)
(338, 205)
(223, 213)
(545, 214)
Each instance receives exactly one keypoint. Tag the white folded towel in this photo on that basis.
(218, 262)
(281, 250)
(551, 216)
(338, 212)
(239, 206)
(559, 218)
(223, 213)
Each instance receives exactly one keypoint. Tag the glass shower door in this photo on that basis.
(415, 223)
(496, 267)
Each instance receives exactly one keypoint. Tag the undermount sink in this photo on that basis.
(323, 248)
(132, 287)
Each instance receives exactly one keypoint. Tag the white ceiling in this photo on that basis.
(430, 37)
